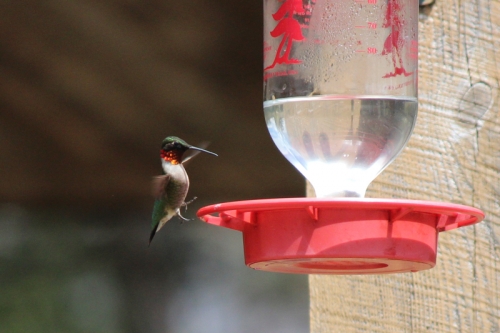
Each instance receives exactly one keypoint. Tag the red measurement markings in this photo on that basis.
(413, 49)
(369, 25)
(369, 50)
(267, 76)
(399, 86)
(267, 48)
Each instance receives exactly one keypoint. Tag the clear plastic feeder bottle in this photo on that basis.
(340, 87)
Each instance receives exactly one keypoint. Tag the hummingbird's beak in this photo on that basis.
(203, 150)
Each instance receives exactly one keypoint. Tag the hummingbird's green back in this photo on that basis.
(158, 212)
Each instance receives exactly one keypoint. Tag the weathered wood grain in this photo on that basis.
(453, 156)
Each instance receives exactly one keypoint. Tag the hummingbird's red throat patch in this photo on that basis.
(172, 156)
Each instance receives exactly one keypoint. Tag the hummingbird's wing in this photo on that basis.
(159, 185)
(192, 153)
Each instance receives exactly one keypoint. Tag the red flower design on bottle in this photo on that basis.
(290, 28)
(394, 42)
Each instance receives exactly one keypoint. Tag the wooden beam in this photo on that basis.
(453, 156)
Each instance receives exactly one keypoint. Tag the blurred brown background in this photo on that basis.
(88, 89)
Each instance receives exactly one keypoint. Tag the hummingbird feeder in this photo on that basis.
(340, 103)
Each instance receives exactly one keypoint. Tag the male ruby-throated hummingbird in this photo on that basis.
(170, 190)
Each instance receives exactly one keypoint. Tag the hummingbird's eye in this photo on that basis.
(169, 146)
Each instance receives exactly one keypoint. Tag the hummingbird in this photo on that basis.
(170, 189)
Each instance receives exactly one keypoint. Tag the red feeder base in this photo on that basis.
(342, 235)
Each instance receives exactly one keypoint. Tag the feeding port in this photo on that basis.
(340, 236)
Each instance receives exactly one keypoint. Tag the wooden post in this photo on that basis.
(453, 156)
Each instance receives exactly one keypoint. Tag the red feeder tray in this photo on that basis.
(342, 235)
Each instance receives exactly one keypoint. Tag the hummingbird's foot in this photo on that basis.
(190, 201)
(183, 219)
(185, 204)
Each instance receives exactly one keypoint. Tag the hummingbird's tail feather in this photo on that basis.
(151, 236)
